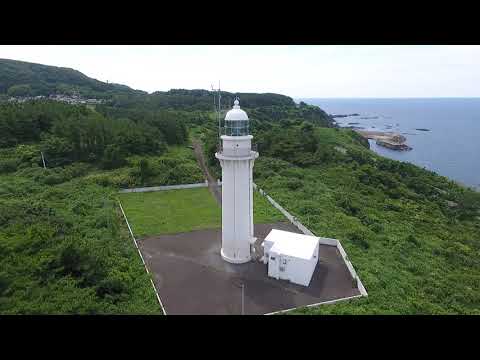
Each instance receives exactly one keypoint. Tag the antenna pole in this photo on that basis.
(218, 109)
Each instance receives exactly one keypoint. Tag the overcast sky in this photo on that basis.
(297, 71)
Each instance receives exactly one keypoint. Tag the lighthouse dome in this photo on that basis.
(236, 121)
(236, 114)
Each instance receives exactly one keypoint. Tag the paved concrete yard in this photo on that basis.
(192, 278)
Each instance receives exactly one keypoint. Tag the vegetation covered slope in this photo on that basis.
(19, 78)
(413, 253)
(64, 249)
(64, 245)
(412, 235)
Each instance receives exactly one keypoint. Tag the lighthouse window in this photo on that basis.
(236, 128)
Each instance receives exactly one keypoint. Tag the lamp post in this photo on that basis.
(243, 299)
(238, 283)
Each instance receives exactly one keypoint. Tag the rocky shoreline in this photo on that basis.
(390, 140)
(343, 115)
(387, 139)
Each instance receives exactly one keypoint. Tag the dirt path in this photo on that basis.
(212, 182)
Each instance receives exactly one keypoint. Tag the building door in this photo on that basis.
(283, 267)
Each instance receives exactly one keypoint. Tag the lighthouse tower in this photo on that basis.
(236, 158)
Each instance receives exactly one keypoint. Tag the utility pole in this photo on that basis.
(43, 159)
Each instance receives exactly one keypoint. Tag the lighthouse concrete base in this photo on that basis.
(235, 261)
(192, 279)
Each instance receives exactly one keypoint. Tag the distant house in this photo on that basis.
(69, 99)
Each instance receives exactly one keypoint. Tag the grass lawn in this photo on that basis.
(175, 211)
(172, 211)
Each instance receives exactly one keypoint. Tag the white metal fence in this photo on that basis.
(165, 187)
(141, 257)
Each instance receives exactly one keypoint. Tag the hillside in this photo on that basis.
(412, 235)
(19, 78)
(415, 253)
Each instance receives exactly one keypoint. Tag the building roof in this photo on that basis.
(292, 244)
(236, 114)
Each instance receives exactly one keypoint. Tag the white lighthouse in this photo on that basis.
(237, 158)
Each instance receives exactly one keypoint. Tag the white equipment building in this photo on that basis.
(290, 256)
(236, 159)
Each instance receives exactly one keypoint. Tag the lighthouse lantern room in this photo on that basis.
(236, 159)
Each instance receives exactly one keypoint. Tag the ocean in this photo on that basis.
(450, 147)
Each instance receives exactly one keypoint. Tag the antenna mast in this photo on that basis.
(218, 109)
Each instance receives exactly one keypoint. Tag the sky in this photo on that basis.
(299, 71)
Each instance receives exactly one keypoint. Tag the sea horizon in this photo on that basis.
(387, 98)
(449, 146)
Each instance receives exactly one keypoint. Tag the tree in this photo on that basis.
(113, 157)
(308, 137)
(27, 154)
(57, 151)
(19, 90)
(145, 170)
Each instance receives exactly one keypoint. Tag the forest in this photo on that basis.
(66, 133)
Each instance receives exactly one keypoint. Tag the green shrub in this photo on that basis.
(377, 227)
(81, 264)
(412, 239)
(26, 153)
(348, 204)
(4, 283)
(111, 287)
(360, 239)
(308, 208)
(8, 166)
(293, 184)
(54, 179)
